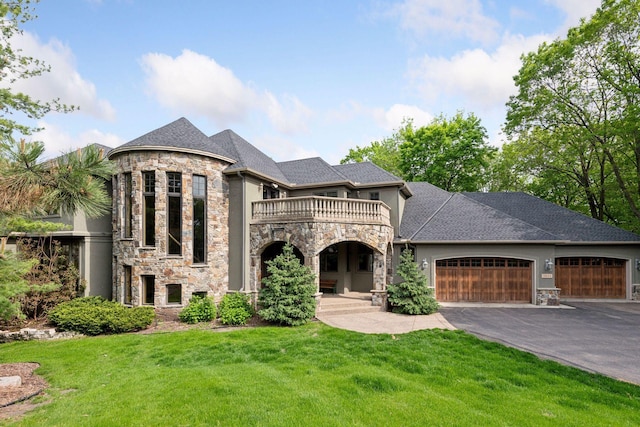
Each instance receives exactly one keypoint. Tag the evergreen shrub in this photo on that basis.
(413, 295)
(288, 295)
(96, 315)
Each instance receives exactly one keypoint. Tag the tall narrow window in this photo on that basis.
(174, 213)
(127, 284)
(149, 219)
(128, 203)
(199, 219)
(149, 289)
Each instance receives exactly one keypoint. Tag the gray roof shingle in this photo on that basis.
(246, 155)
(310, 171)
(562, 222)
(438, 216)
(180, 134)
(366, 173)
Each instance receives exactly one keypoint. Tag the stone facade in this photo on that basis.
(548, 296)
(311, 237)
(210, 277)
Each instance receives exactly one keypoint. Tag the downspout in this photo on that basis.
(244, 233)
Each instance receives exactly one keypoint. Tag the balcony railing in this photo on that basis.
(315, 208)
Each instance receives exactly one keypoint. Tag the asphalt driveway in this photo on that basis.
(599, 337)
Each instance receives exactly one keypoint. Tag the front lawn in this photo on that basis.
(313, 375)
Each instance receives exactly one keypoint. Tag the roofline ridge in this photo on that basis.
(432, 216)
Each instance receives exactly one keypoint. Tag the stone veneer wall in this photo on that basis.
(312, 237)
(211, 277)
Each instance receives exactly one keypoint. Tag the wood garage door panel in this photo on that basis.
(483, 280)
(585, 277)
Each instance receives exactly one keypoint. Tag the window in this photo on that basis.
(270, 193)
(174, 213)
(149, 219)
(127, 284)
(149, 289)
(174, 294)
(374, 195)
(365, 258)
(128, 203)
(199, 219)
(329, 259)
(326, 193)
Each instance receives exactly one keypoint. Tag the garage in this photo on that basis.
(484, 280)
(591, 277)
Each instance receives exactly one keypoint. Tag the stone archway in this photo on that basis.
(311, 238)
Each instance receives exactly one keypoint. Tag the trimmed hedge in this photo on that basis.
(235, 309)
(96, 315)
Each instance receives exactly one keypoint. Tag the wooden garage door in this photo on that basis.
(591, 277)
(483, 280)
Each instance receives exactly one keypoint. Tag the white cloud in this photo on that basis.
(574, 9)
(63, 81)
(393, 117)
(197, 84)
(483, 79)
(289, 116)
(282, 149)
(57, 141)
(451, 18)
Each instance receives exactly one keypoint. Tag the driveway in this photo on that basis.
(595, 336)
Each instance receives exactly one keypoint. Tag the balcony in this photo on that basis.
(320, 209)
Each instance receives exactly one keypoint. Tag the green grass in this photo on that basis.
(313, 375)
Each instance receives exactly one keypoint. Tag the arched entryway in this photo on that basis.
(271, 252)
(348, 267)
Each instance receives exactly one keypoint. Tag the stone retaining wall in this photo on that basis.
(28, 334)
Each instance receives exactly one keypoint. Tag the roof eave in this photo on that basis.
(121, 150)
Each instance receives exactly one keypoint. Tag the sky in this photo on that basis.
(295, 78)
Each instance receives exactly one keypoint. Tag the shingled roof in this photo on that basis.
(435, 215)
(180, 135)
(563, 223)
(366, 173)
(247, 156)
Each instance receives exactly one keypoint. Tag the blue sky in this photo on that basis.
(295, 78)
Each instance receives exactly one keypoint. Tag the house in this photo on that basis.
(197, 214)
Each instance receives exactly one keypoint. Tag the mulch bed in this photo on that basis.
(14, 400)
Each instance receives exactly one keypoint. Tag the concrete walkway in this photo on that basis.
(381, 322)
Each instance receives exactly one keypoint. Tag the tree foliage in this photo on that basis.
(28, 186)
(578, 106)
(413, 295)
(288, 295)
(451, 153)
(385, 153)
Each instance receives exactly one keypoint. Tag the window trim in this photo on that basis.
(172, 196)
(149, 194)
(128, 206)
(147, 280)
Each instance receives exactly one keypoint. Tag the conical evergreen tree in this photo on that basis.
(413, 295)
(288, 296)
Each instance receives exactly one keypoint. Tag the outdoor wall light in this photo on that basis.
(425, 264)
(548, 264)
(638, 264)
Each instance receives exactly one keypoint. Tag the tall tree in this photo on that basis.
(582, 95)
(28, 186)
(385, 153)
(452, 154)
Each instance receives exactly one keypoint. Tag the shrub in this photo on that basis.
(235, 309)
(96, 315)
(413, 295)
(288, 294)
(199, 309)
